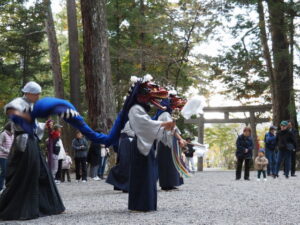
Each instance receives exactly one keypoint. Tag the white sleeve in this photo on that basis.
(146, 129)
(127, 129)
(2, 148)
(40, 127)
(62, 152)
(167, 136)
(17, 104)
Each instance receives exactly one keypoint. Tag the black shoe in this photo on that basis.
(247, 179)
(287, 177)
(166, 188)
(117, 189)
(293, 175)
(237, 178)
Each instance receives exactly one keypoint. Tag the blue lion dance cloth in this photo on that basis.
(47, 106)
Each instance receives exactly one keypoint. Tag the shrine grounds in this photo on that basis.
(211, 197)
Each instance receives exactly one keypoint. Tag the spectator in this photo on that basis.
(286, 143)
(66, 166)
(244, 149)
(103, 159)
(49, 143)
(189, 155)
(61, 156)
(6, 140)
(54, 149)
(261, 163)
(93, 158)
(270, 146)
(80, 146)
(293, 153)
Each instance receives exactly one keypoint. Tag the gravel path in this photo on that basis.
(207, 198)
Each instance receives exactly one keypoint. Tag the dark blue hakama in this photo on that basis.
(143, 178)
(167, 173)
(119, 174)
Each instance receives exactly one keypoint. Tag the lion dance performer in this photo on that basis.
(169, 177)
(30, 189)
(119, 175)
(143, 175)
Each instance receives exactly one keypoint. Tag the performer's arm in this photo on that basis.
(13, 112)
(181, 141)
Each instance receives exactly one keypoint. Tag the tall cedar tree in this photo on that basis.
(54, 52)
(96, 60)
(74, 55)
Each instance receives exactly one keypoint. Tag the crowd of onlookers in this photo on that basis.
(87, 157)
(280, 148)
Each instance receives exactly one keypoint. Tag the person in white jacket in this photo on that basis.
(66, 165)
(61, 156)
(6, 141)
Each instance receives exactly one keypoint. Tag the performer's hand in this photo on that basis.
(25, 116)
(168, 125)
(182, 143)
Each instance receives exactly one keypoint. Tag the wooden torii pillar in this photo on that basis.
(252, 120)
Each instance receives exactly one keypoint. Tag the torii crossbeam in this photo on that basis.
(252, 120)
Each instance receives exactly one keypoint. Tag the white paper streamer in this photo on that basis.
(194, 106)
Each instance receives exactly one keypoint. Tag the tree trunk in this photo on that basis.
(284, 102)
(74, 56)
(118, 72)
(142, 36)
(54, 53)
(267, 56)
(291, 13)
(99, 89)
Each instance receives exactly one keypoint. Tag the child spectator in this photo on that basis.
(66, 165)
(103, 159)
(54, 148)
(61, 155)
(261, 163)
(6, 140)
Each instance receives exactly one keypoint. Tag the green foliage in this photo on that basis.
(21, 53)
(163, 33)
(221, 140)
(241, 67)
(243, 72)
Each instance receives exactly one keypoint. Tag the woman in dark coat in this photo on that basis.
(244, 149)
(93, 159)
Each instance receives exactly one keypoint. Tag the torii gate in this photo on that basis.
(252, 120)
